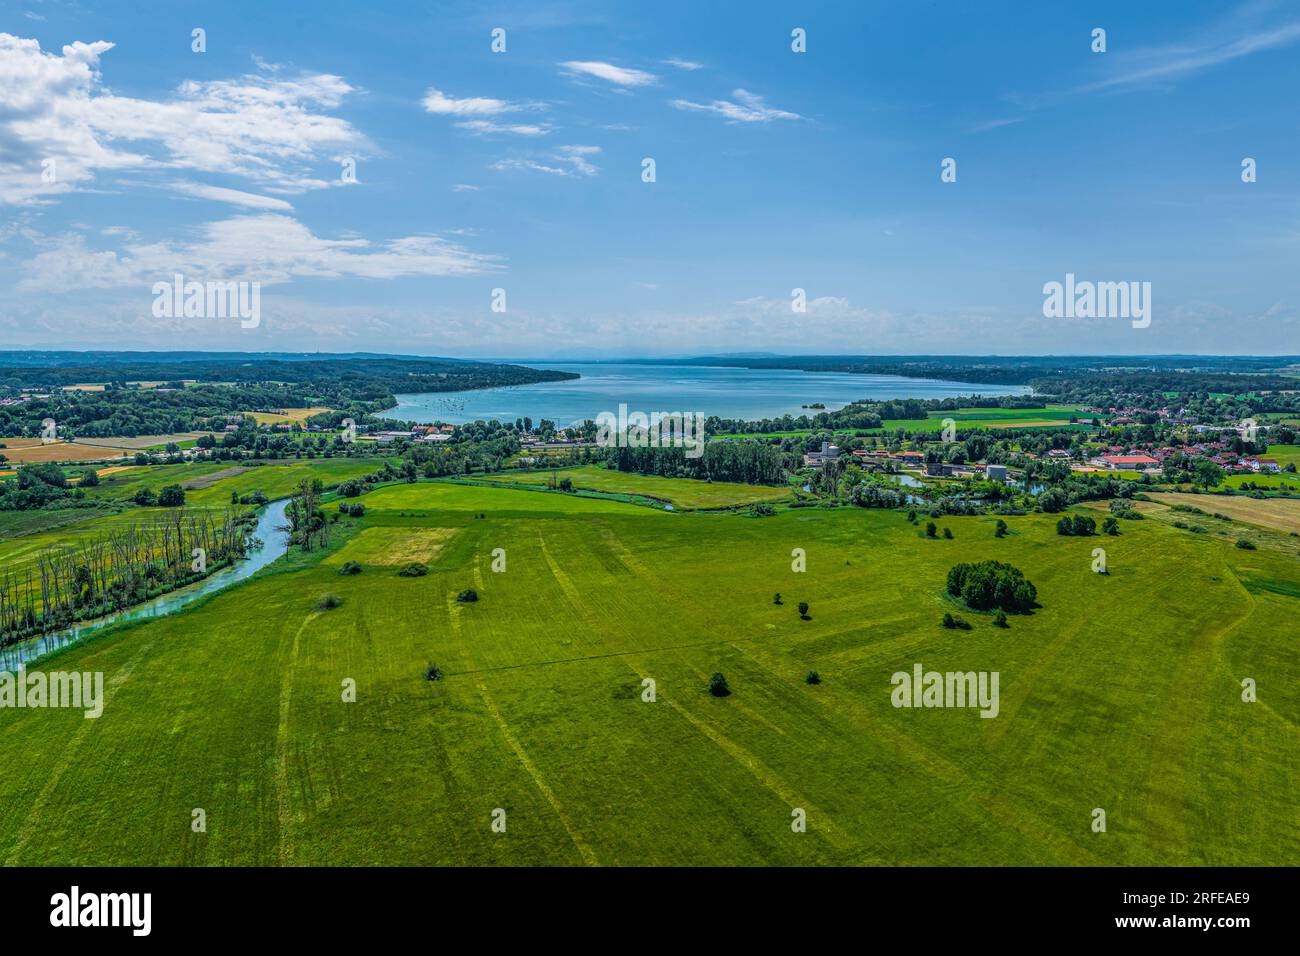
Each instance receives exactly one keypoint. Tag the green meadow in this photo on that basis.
(211, 482)
(681, 492)
(1055, 417)
(1121, 692)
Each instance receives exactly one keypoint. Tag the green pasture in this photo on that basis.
(1122, 691)
(682, 492)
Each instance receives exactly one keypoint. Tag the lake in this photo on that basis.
(726, 392)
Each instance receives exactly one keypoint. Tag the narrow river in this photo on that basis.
(274, 544)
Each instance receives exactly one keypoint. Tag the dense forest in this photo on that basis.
(198, 387)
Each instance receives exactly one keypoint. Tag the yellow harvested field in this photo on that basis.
(140, 441)
(393, 547)
(32, 450)
(1282, 514)
(289, 415)
(83, 388)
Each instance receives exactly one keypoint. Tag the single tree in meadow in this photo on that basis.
(803, 610)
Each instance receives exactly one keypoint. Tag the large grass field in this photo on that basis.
(1120, 692)
(682, 492)
(1053, 416)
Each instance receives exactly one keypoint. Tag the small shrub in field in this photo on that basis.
(1245, 545)
(718, 686)
(947, 533)
(414, 570)
(1000, 529)
(432, 672)
(931, 529)
(776, 599)
(467, 596)
(813, 678)
(1000, 619)
(803, 610)
(350, 567)
(953, 622)
(328, 602)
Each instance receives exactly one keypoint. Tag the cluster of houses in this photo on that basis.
(424, 434)
(907, 459)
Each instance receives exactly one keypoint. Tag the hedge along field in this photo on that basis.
(682, 492)
(1120, 692)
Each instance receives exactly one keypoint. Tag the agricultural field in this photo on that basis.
(288, 416)
(1053, 416)
(1281, 514)
(1287, 481)
(23, 451)
(681, 492)
(236, 705)
(1284, 454)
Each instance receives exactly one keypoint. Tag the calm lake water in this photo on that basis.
(727, 392)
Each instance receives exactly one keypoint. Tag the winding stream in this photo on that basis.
(273, 545)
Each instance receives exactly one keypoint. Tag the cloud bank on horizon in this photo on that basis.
(565, 180)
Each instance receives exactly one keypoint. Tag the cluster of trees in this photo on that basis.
(125, 566)
(308, 526)
(747, 462)
(1080, 525)
(171, 496)
(986, 585)
(37, 486)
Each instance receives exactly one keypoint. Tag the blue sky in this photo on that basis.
(775, 170)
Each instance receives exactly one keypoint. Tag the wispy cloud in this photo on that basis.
(618, 75)
(747, 108)
(435, 101)
(995, 124)
(689, 65)
(564, 161)
(233, 196)
(489, 127)
(1168, 63)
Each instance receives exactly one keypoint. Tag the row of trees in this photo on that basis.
(747, 462)
(125, 566)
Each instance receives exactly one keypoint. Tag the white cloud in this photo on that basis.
(621, 76)
(681, 64)
(750, 108)
(233, 196)
(265, 248)
(574, 156)
(55, 114)
(488, 127)
(465, 188)
(438, 102)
